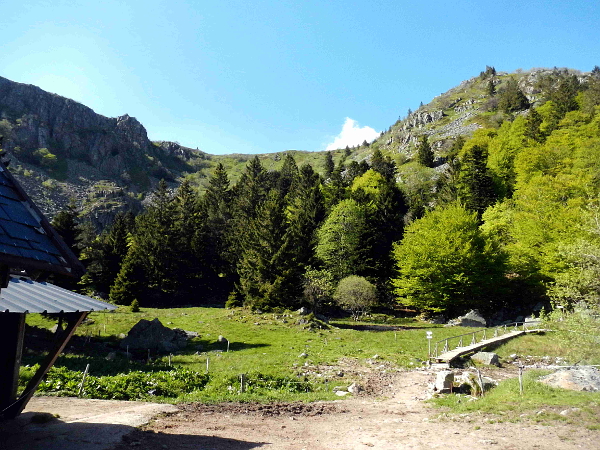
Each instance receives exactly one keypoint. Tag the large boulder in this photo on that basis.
(575, 379)
(154, 336)
(444, 381)
(471, 319)
(487, 358)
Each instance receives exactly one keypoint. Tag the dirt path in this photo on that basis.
(400, 421)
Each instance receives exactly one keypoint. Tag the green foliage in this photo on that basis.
(445, 264)
(128, 386)
(318, 287)
(135, 306)
(506, 399)
(511, 99)
(355, 294)
(425, 155)
(475, 184)
(342, 237)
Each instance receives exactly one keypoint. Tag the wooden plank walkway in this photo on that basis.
(448, 357)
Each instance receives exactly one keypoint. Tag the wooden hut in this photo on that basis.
(31, 250)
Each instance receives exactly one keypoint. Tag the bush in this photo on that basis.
(355, 294)
(127, 386)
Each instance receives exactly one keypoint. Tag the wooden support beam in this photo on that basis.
(73, 321)
(12, 333)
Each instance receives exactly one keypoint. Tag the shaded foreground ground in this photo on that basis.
(391, 416)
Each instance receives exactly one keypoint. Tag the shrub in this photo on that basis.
(355, 294)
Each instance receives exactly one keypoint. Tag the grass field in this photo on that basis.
(282, 358)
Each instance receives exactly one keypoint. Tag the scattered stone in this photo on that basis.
(221, 340)
(444, 381)
(111, 356)
(340, 374)
(354, 388)
(487, 358)
(575, 379)
(303, 311)
(471, 319)
(303, 355)
(376, 357)
(341, 393)
(154, 336)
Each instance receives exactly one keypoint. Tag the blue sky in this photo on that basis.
(267, 76)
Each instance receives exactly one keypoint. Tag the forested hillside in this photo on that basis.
(490, 201)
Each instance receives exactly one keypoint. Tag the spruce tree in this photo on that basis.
(511, 98)
(329, 164)
(216, 207)
(425, 155)
(475, 183)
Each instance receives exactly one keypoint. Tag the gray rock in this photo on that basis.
(354, 388)
(487, 358)
(303, 311)
(471, 319)
(303, 355)
(154, 336)
(444, 381)
(221, 339)
(575, 379)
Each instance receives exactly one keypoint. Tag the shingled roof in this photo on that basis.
(27, 240)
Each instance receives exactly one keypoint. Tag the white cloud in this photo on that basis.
(352, 134)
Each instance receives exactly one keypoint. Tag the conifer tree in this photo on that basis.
(66, 225)
(263, 272)
(216, 207)
(383, 164)
(511, 98)
(475, 183)
(533, 120)
(329, 164)
(104, 256)
(424, 152)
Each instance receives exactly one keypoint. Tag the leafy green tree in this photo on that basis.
(425, 155)
(445, 264)
(355, 294)
(342, 239)
(318, 287)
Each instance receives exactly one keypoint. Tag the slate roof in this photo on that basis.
(27, 240)
(23, 295)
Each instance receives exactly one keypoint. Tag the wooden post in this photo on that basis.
(521, 380)
(12, 333)
(243, 383)
(87, 367)
(73, 320)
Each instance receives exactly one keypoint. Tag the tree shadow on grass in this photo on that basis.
(370, 327)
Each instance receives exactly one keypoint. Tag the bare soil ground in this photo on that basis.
(388, 414)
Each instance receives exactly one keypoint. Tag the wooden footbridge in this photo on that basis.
(443, 353)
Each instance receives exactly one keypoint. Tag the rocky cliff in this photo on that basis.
(62, 149)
